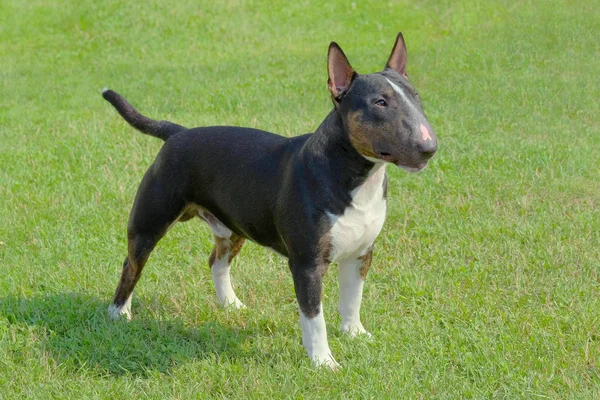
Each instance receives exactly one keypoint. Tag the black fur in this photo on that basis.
(159, 129)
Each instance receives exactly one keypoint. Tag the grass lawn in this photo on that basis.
(485, 281)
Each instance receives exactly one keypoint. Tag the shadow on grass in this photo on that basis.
(76, 331)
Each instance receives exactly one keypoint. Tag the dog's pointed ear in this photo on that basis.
(341, 73)
(397, 60)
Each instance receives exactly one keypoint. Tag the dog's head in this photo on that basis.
(381, 112)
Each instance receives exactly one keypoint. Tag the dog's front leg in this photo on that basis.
(351, 278)
(308, 277)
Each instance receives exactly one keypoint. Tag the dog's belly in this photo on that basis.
(221, 230)
(353, 232)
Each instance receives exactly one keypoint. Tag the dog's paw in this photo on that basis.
(115, 312)
(355, 330)
(326, 361)
(234, 304)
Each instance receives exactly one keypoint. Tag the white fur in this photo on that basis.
(398, 90)
(221, 268)
(115, 312)
(357, 228)
(222, 280)
(314, 339)
(218, 228)
(351, 288)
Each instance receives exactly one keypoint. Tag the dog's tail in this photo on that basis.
(160, 129)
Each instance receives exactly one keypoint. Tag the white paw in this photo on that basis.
(234, 303)
(326, 361)
(117, 312)
(355, 330)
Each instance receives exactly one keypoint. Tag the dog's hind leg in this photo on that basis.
(227, 246)
(155, 210)
(220, 264)
(139, 251)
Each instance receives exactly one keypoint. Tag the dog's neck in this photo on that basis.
(333, 166)
(331, 143)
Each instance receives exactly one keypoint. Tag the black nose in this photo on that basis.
(427, 148)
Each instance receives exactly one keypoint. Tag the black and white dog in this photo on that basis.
(316, 199)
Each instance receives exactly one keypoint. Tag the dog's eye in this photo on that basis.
(381, 103)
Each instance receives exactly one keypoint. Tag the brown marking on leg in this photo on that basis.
(132, 269)
(220, 259)
(188, 214)
(325, 248)
(212, 257)
(236, 245)
(217, 251)
(365, 263)
(129, 276)
(232, 245)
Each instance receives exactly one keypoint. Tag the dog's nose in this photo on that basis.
(427, 148)
(427, 144)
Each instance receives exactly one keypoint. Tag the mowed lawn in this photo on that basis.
(485, 281)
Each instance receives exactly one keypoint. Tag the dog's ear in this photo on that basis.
(341, 73)
(397, 60)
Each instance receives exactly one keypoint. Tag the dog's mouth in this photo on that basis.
(387, 157)
(417, 168)
(410, 167)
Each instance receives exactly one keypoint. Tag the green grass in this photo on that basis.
(485, 279)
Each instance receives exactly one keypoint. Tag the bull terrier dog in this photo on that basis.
(316, 199)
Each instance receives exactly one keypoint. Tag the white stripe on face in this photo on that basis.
(398, 90)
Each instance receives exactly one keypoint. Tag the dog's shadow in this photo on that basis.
(76, 332)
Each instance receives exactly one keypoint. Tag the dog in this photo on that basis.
(316, 198)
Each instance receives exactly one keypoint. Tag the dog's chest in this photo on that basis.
(357, 228)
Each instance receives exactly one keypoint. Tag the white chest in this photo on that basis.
(358, 227)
